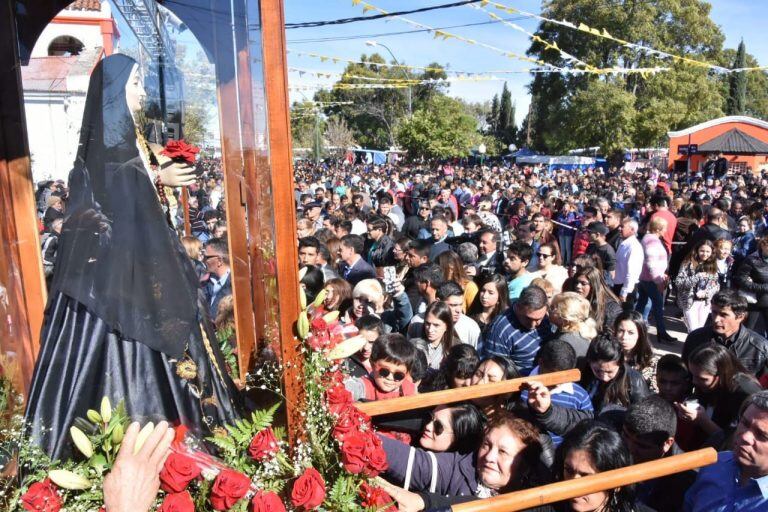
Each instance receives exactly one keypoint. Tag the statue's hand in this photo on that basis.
(176, 174)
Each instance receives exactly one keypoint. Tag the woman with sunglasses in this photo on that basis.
(491, 301)
(549, 266)
(368, 299)
(508, 459)
(456, 428)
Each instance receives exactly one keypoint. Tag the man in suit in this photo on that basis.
(219, 283)
(353, 267)
(439, 228)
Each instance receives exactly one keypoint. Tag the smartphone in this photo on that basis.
(390, 278)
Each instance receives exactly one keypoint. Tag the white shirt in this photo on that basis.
(629, 264)
(465, 328)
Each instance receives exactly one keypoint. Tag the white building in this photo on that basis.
(55, 83)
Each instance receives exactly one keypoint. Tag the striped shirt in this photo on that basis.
(506, 337)
(569, 395)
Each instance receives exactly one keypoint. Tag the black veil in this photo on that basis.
(117, 255)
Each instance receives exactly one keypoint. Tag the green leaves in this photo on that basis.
(343, 495)
(441, 129)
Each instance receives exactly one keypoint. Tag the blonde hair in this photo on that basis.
(571, 314)
(657, 225)
(370, 289)
(193, 246)
(544, 285)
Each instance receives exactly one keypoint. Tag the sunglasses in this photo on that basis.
(542, 255)
(396, 376)
(437, 426)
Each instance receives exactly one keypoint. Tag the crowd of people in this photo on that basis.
(459, 276)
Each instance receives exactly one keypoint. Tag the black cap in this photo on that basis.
(598, 228)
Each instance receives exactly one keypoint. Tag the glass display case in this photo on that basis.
(213, 73)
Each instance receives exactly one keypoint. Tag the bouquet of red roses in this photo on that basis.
(180, 151)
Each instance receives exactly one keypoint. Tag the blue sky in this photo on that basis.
(737, 19)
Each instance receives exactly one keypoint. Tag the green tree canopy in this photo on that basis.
(682, 27)
(440, 128)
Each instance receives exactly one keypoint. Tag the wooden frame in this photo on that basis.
(450, 396)
(22, 288)
(257, 183)
(552, 493)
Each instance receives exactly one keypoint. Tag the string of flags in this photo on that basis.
(604, 34)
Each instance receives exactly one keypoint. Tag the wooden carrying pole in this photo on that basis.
(450, 396)
(613, 479)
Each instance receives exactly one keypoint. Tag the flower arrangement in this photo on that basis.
(331, 466)
(180, 151)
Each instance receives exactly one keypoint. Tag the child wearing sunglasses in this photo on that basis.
(392, 357)
(391, 360)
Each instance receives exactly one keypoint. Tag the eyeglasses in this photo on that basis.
(542, 255)
(396, 376)
(437, 426)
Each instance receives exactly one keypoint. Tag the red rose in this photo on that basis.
(263, 445)
(376, 498)
(41, 497)
(180, 150)
(228, 488)
(308, 490)
(318, 341)
(353, 453)
(377, 462)
(267, 502)
(177, 472)
(177, 502)
(337, 398)
(350, 420)
(319, 325)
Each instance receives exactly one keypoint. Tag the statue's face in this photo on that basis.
(135, 95)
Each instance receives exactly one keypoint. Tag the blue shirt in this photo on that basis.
(506, 337)
(717, 489)
(569, 395)
(518, 284)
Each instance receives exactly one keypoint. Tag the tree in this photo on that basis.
(506, 112)
(374, 114)
(681, 27)
(307, 127)
(338, 136)
(611, 113)
(441, 128)
(493, 116)
(756, 104)
(737, 94)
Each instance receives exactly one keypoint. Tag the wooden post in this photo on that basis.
(450, 396)
(22, 288)
(552, 493)
(280, 154)
(185, 206)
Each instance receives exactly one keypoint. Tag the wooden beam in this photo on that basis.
(552, 493)
(234, 182)
(450, 396)
(280, 154)
(21, 283)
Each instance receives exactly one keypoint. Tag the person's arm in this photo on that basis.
(403, 310)
(415, 468)
(133, 483)
(554, 418)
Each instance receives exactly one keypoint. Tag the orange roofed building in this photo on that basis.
(742, 140)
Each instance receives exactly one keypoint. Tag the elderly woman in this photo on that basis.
(508, 459)
(368, 299)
